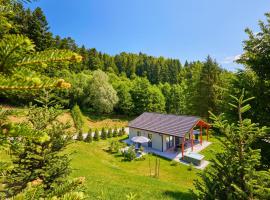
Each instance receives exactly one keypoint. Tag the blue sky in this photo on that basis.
(184, 29)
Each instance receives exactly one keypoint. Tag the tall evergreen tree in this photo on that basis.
(206, 97)
(233, 173)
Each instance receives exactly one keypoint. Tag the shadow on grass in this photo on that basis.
(179, 195)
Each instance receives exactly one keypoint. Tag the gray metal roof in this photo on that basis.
(175, 125)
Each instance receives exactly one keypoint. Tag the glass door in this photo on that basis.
(169, 141)
(150, 136)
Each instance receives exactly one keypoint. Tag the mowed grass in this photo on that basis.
(214, 148)
(109, 177)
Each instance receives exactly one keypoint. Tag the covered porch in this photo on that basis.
(191, 141)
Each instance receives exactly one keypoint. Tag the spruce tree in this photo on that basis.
(80, 135)
(110, 133)
(37, 152)
(96, 135)
(123, 131)
(233, 173)
(103, 134)
(89, 137)
(205, 98)
(120, 133)
(115, 132)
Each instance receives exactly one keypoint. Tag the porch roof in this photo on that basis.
(175, 125)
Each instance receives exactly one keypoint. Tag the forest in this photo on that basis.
(35, 63)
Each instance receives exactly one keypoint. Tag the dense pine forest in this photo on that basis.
(53, 72)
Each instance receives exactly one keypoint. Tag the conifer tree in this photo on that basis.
(109, 133)
(115, 132)
(96, 135)
(80, 135)
(233, 173)
(123, 131)
(120, 133)
(206, 96)
(37, 152)
(103, 134)
(89, 137)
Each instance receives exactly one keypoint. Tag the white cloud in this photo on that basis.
(230, 59)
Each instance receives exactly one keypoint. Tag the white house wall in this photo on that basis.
(156, 138)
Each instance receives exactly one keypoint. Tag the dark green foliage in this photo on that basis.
(146, 97)
(125, 104)
(80, 135)
(255, 79)
(77, 117)
(89, 137)
(110, 134)
(121, 132)
(206, 99)
(233, 174)
(115, 132)
(103, 134)
(96, 135)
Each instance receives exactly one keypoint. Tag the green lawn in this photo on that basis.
(109, 177)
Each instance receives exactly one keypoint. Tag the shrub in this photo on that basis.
(123, 131)
(77, 117)
(89, 137)
(130, 154)
(114, 146)
(174, 163)
(103, 134)
(80, 135)
(141, 149)
(120, 133)
(96, 135)
(109, 133)
(115, 132)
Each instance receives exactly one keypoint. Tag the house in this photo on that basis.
(169, 132)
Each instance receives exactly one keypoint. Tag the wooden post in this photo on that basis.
(201, 134)
(207, 133)
(191, 133)
(183, 147)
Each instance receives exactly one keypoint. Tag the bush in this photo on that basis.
(120, 133)
(130, 154)
(115, 132)
(174, 163)
(109, 133)
(77, 117)
(80, 136)
(96, 135)
(103, 134)
(123, 131)
(114, 146)
(89, 137)
(141, 149)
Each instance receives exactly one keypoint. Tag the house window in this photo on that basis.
(139, 133)
(169, 141)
